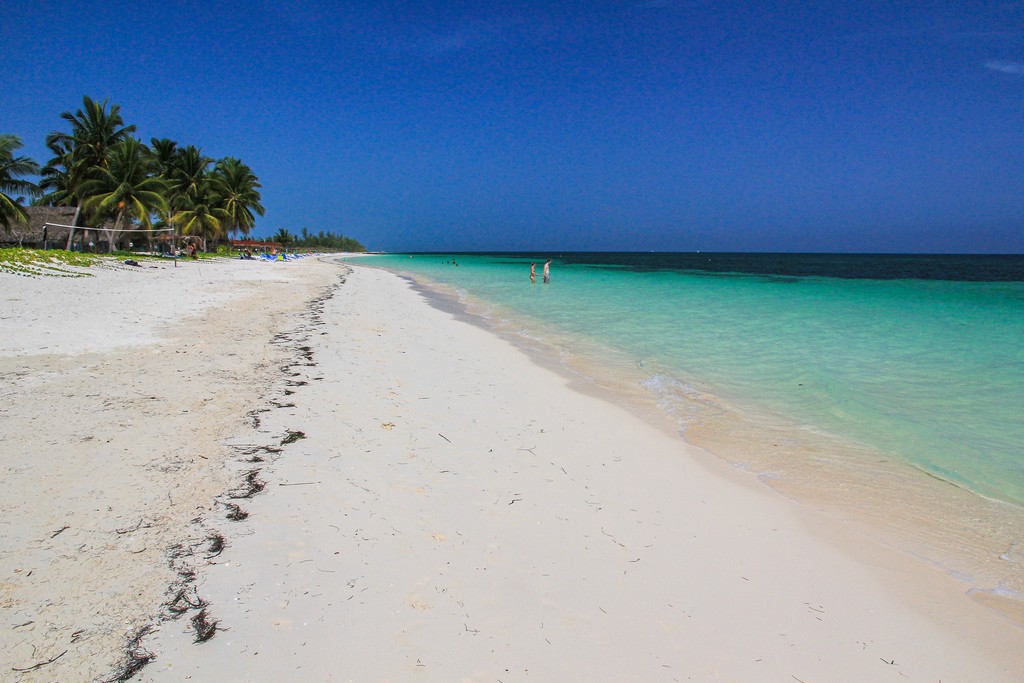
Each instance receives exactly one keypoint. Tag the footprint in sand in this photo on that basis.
(418, 604)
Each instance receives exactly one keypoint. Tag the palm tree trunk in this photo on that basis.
(74, 222)
(110, 235)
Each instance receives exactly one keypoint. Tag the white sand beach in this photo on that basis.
(436, 506)
(118, 390)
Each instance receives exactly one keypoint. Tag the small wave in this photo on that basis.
(997, 592)
(1015, 553)
(670, 387)
(680, 400)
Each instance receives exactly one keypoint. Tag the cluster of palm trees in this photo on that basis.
(106, 173)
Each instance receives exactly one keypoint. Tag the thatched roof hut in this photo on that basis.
(38, 217)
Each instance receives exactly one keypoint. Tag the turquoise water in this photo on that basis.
(927, 372)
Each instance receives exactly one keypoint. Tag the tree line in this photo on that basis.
(322, 240)
(106, 173)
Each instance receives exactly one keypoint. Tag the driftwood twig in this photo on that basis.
(40, 664)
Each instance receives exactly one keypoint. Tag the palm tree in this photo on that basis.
(238, 189)
(57, 183)
(126, 188)
(11, 170)
(94, 131)
(164, 156)
(190, 171)
(187, 176)
(202, 216)
(283, 236)
(62, 179)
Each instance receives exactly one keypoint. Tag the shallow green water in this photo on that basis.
(929, 372)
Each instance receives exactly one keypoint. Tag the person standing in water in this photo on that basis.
(533, 273)
(547, 271)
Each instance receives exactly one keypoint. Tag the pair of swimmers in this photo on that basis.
(547, 272)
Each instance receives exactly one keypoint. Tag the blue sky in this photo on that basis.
(652, 125)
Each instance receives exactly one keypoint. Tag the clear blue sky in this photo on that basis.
(667, 125)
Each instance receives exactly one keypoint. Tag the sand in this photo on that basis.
(117, 391)
(437, 506)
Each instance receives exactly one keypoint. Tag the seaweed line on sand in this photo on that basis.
(135, 657)
(183, 595)
(235, 512)
(252, 485)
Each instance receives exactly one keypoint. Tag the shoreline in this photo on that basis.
(972, 538)
(435, 503)
(452, 496)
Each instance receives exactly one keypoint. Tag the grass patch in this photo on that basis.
(61, 263)
(54, 263)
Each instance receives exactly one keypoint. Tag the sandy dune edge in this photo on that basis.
(456, 512)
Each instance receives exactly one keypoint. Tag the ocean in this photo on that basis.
(886, 389)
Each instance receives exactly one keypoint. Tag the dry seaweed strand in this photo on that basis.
(142, 524)
(254, 415)
(256, 453)
(217, 544)
(136, 657)
(253, 485)
(51, 660)
(181, 603)
(203, 627)
(292, 437)
(235, 512)
(177, 555)
(278, 404)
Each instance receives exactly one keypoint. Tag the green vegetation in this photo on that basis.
(126, 187)
(61, 263)
(327, 241)
(107, 174)
(80, 154)
(283, 237)
(324, 241)
(12, 169)
(33, 262)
